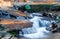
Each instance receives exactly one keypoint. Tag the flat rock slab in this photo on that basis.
(15, 24)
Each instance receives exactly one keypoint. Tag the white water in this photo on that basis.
(38, 30)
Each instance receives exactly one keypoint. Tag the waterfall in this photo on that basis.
(38, 29)
(32, 29)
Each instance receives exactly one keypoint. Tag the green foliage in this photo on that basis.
(13, 33)
(41, 7)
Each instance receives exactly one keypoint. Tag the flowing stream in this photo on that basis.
(38, 29)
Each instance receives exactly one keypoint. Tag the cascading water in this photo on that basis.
(38, 29)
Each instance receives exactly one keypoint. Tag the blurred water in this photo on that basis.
(38, 29)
